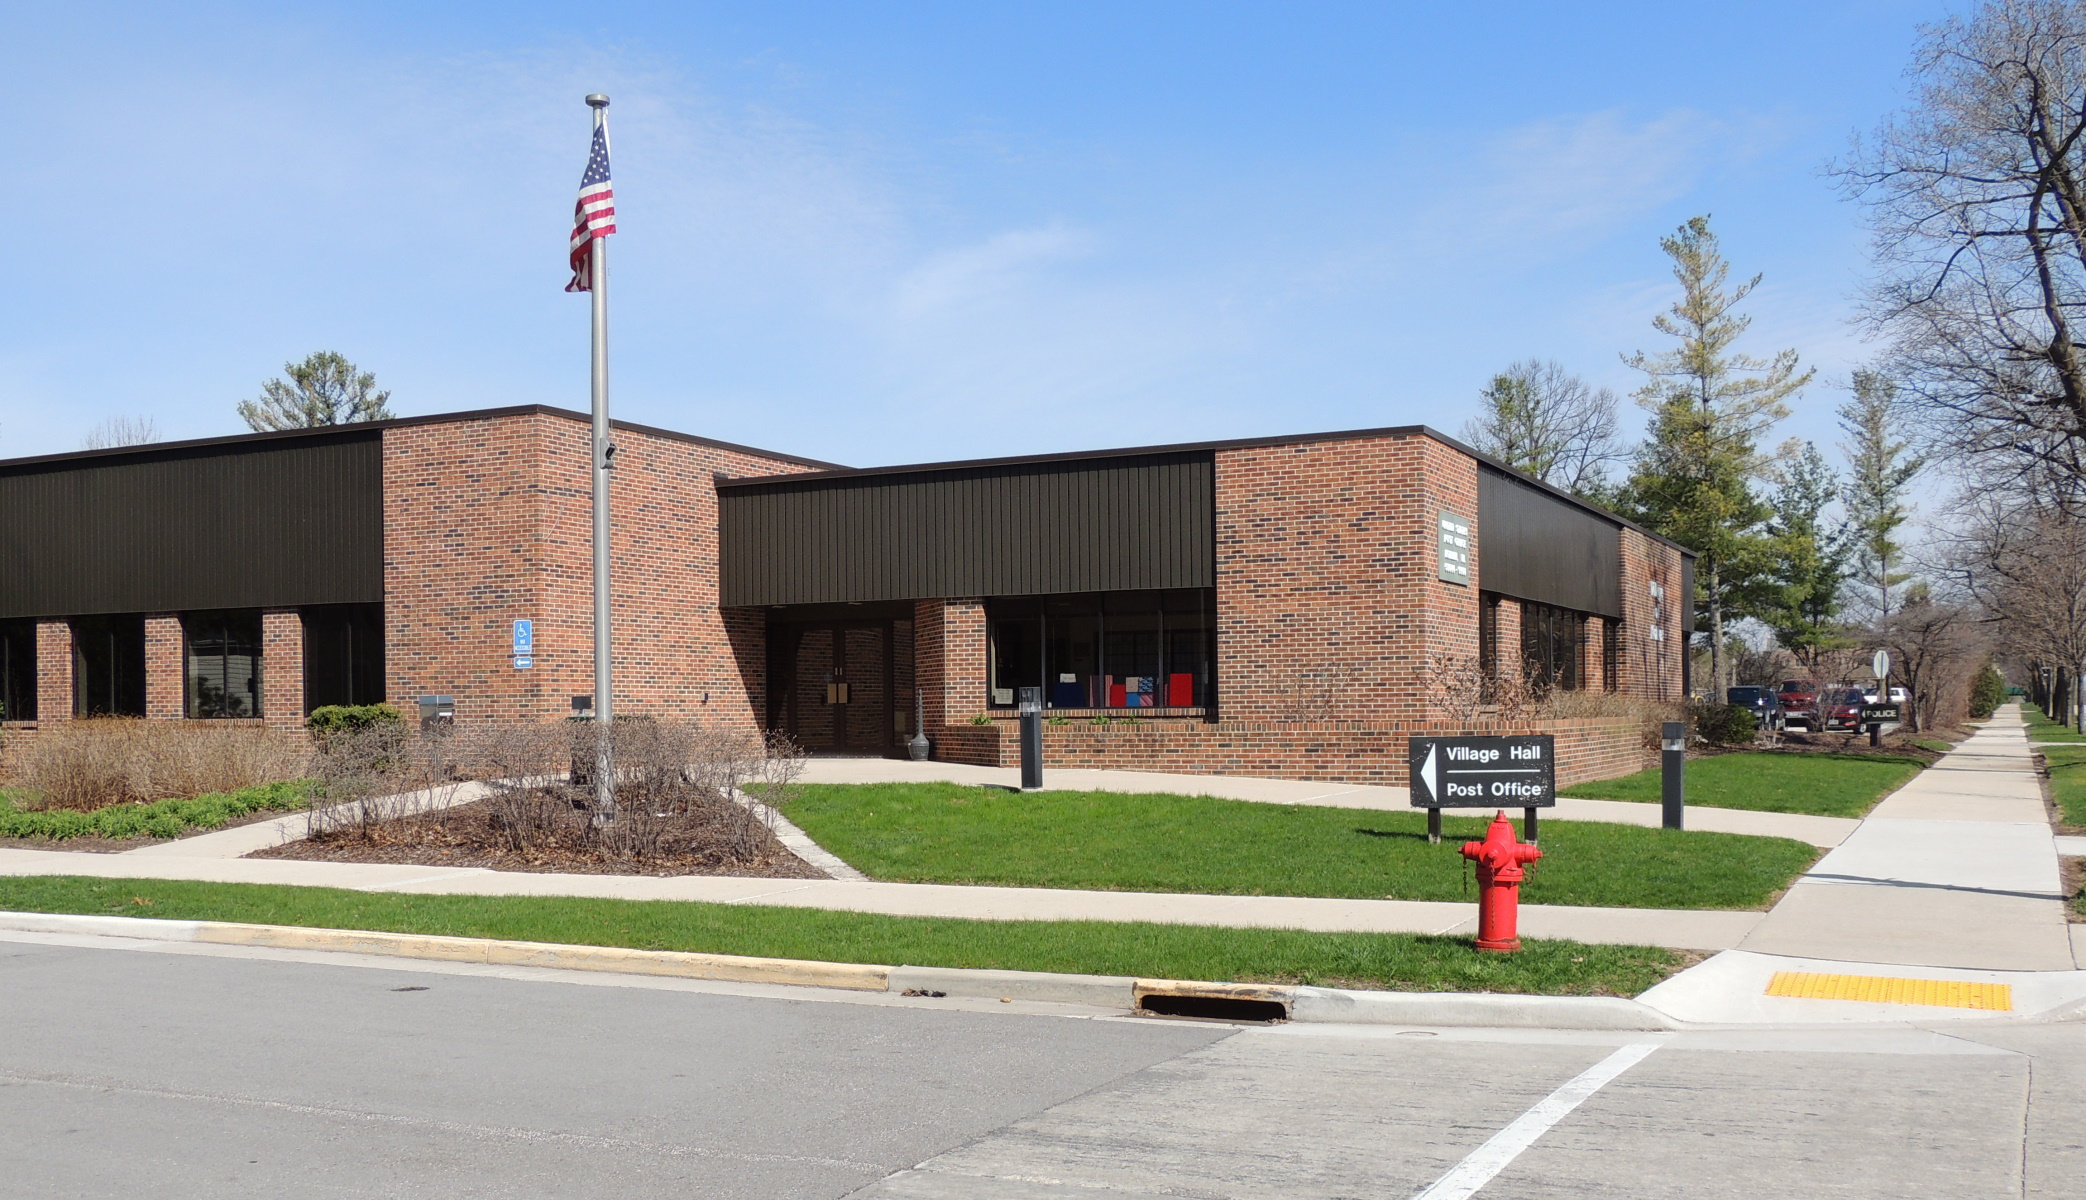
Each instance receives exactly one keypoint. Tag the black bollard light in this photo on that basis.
(1673, 761)
(1030, 706)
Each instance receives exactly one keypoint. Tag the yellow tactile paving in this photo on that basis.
(1884, 989)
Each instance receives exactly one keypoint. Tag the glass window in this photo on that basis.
(1553, 643)
(343, 655)
(1191, 650)
(1127, 650)
(18, 671)
(1611, 653)
(1072, 649)
(224, 663)
(108, 666)
(1015, 638)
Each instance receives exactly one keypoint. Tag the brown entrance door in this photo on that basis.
(838, 697)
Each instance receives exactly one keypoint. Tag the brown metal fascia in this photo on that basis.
(359, 427)
(1346, 435)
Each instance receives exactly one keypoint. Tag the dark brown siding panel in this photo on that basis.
(232, 525)
(1112, 524)
(1535, 546)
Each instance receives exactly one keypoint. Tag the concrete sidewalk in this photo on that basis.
(1823, 832)
(1956, 869)
(1685, 929)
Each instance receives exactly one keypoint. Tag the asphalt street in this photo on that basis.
(132, 1069)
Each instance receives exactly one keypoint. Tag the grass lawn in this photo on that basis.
(1112, 841)
(2068, 782)
(162, 818)
(1403, 962)
(1825, 785)
(2043, 729)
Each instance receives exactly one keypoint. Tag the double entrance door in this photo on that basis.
(834, 686)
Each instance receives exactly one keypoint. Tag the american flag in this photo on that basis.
(594, 215)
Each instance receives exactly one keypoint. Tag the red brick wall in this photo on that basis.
(1587, 748)
(489, 520)
(166, 668)
(1328, 604)
(53, 671)
(282, 668)
(949, 659)
(1651, 663)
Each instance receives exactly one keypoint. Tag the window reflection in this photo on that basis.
(224, 663)
(1104, 650)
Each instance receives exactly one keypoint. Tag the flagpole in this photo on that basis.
(604, 702)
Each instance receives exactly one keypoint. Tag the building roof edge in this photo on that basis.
(359, 427)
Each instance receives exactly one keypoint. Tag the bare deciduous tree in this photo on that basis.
(1977, 198)
(2027, 566)
(1935, 648)
(121, 431)
(1540, 418)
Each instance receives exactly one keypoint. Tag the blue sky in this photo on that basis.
(901, 232)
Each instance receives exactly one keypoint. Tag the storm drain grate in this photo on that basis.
(1214, 1008)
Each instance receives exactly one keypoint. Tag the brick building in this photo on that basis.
(1269, 605)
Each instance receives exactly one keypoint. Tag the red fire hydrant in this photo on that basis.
(1499, 857)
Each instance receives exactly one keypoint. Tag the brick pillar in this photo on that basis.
(53, 671)
(282, 668)
(1509, 639)
(166, 670)
(949, 659)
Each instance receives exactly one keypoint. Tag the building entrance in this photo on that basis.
(841, 687)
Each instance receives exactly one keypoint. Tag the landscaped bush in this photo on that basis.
(165, 819)
(335, 718)
(1724, 724)
(86, 765)
(1649, 714)
(1987, 692)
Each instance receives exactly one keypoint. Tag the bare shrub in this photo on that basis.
(90, 764)
(1648, 714)
(387, 771)
(1314, 695)
(1460, 684)
(680, 790)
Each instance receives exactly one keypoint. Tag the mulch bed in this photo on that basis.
(466, 836)
(1801, 741)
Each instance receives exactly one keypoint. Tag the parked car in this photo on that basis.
(1765, 703)
(1841, 708)
(1898, 696)
(1799, 700)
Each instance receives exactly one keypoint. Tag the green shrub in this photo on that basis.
(1988, 692)
(335, 718)
(164, 819)
(1724, 724)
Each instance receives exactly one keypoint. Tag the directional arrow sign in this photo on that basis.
(1484, 772)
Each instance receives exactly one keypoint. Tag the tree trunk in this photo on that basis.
(1716, 637)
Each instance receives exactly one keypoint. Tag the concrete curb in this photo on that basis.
(1121, 993)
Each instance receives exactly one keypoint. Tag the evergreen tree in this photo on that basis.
(1802, 596)
(324, 389)
(1710, 406)
(1880, 471)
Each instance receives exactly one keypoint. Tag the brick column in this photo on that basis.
(166, 671)
(1510, 665)
(53, 671)
(949, 659)
(282, 668)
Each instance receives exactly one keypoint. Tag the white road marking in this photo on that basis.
(1478, 1168)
